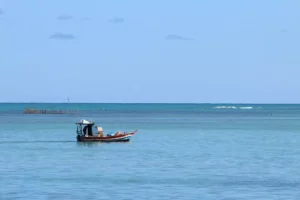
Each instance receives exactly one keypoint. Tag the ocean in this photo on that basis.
(181, 151)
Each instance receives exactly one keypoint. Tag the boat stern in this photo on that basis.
(79, 138)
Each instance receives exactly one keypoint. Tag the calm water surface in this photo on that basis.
(181, 151)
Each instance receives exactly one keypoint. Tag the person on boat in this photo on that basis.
(99, 131)
(84, 130)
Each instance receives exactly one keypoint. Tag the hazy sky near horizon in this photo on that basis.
(150, 51)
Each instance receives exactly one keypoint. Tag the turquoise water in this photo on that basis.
(181, 151)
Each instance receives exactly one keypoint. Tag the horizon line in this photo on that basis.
(12, 102)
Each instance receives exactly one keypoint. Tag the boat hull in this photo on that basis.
(119, 138)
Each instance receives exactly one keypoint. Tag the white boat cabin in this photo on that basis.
(84, 128)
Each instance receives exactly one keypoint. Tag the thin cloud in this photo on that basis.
(117, 20)
(177, 37)
(64, 17)
(62, 36)
(1, 11)
(86, 19)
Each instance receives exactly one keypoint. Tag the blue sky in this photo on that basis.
(150, 51)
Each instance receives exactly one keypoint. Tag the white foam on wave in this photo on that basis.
(234, 107)
(246, 107)
(225, 107)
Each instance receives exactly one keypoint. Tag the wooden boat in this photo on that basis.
(82, 136)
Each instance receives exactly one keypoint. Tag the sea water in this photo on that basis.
(181, 151)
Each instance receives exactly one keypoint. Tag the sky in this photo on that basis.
(133, 51)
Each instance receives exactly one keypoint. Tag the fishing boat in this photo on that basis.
(85, 134)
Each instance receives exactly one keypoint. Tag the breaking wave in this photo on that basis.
(225, 107)
(234, 107)
(246, 107)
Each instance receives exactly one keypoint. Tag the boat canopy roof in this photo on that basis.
(85, 122)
